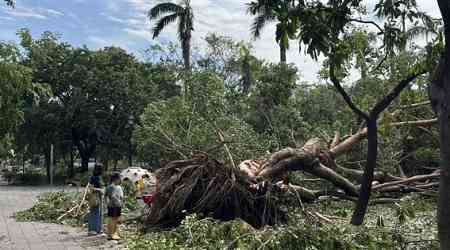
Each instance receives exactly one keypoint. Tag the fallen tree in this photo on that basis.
(254, 189)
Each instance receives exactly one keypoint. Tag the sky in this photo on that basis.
(124, 23)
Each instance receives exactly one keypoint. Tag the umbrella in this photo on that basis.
(134, 174)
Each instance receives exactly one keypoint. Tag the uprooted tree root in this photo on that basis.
(208, 187)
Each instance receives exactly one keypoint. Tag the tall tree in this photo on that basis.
(281, 11)
(96, 93)
(184, 14)
(15, 83)
(440, 101)
(322, 26)
(398, 14)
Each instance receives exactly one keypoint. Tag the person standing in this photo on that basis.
(95, 199)
(114, 196)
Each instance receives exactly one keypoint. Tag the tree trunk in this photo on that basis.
(23, 162)
(71, 168)
(84, 163)
(130, 154)
(366, 185)
(186, 47)
(106, 159)
(86, 151)
(440, 101)
(86, 143)
(444, 187)
(47, 162)
(282, 53)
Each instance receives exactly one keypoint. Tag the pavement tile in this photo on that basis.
(35, 235)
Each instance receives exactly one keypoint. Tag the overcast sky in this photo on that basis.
(100, 23)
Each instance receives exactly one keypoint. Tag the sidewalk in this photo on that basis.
(39, 236)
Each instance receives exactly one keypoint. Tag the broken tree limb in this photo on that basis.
(336, 179)
(415, 105)
(83, 199)
(348, 144)
(290, 159)
(356, 175)
(305, 194)
(336, 139)
(68, 212)
(222, 140)
(406, 181)
(420, 123)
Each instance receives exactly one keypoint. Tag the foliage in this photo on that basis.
(179, 126)
(15, 84)
(51, 206)
(400, 229)
(99, 96)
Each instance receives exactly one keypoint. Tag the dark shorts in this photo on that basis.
(114, 211)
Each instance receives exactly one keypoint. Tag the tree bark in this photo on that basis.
(115, 164)
(283, 51)
(130, 154)
(366, 185)
(84, 163)
(86, 143)
(186, 47)
(47, 162)
(440, 101)
(71, 168)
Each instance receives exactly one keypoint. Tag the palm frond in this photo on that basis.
(164, 8)
(10, 3)
(253, 8)
(417, 31)
(279, 32)
(282, 35)
(259, 23)
(162, 23)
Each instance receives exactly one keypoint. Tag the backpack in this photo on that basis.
(93, 199)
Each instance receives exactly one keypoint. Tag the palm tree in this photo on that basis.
(185, 16)
(398, 13)
(10, 3)
(275, 10)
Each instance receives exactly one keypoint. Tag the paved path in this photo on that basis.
(39, 236)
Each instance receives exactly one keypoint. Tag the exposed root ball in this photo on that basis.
(208, 187)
